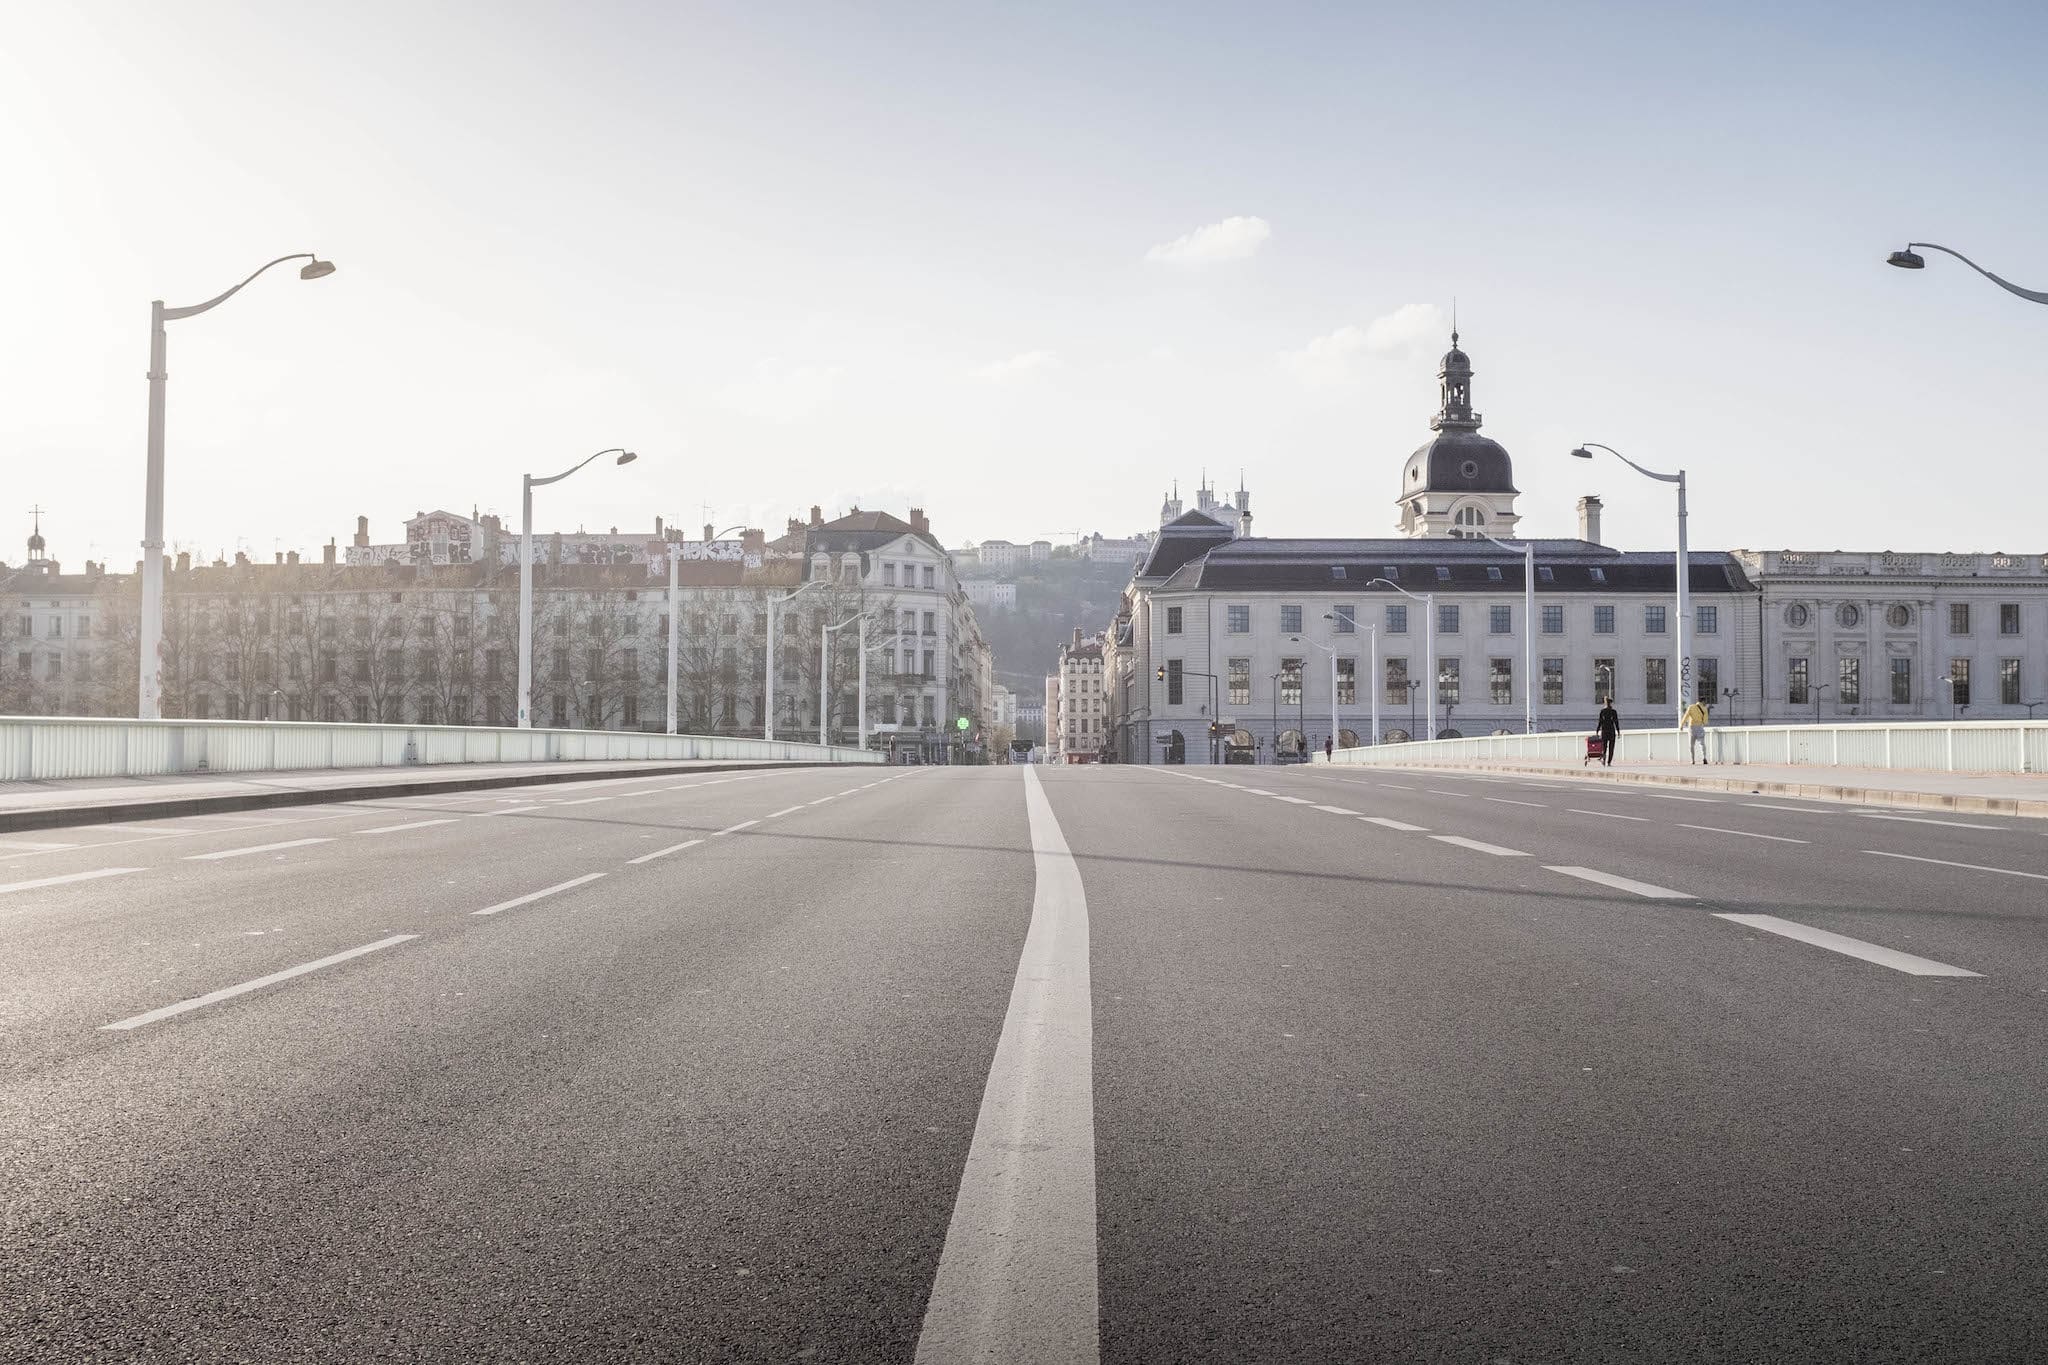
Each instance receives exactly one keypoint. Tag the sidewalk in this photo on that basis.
(96, 800)
(1975, 793)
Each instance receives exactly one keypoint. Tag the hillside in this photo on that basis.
(1053, 598)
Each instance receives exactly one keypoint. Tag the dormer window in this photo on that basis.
(1337, 572)
(1492, 573)
(1599, 575)
(1545, 575)
(1443, 574)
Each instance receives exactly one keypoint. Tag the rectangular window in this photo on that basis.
(1173, 620)
(1959, 618)
(1290, 682)
(1173, 682)
(1795, 683)
(1959, 682)
(1447, 681)
(1500, 679)
(1240, 682)
(1397, 620)
(362, 667)
(1447, 620)
(929, 570)
(2008, 618)
(1345, 619)
(1849, 681)
(1500, 620)
(2009, 681)
(362, 710)
(1710, 681)
(1553, 620)
(1397, 680)
(1290, 620)
(1707, 620)
(1238, 620)
(1603, 677)
(1347, 682)
(1553, 682)
(1544, 574)
(888, 574)
(1655, 672)
(1902, 682)
(931, 623)
(1653, 620)
(1492, 574)
(629, 712)
(1603, 620)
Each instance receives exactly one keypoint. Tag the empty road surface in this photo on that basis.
(957, 1064)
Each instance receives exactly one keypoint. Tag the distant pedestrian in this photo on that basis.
(1695, 720)
(1329, 748)
(1610, 732)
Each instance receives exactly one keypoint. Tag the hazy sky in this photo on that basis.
(1022, 265)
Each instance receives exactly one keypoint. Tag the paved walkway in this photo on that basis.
(1984, 793)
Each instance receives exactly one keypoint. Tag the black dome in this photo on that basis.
(1459, 462)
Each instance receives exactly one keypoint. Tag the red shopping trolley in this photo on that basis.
(1596, 748)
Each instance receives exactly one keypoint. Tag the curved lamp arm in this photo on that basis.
(1646, 473)
(1511, 549)
(799, 592)
(172, 314)
(557, 478)
(1424, 598)
(2031, 295)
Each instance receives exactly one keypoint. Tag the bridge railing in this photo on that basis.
(53, 747)
(1989, 746)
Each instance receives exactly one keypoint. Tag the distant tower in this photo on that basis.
(35, 537)
(1461, 483)
(1170, 509)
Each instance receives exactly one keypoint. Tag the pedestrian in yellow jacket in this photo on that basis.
(1695, 720)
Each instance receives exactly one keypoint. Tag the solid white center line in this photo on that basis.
(1745, 833)
(533, 896)
(257, 848)
(1462, 842)
(1017, 1279)
(509, 810)
(1505, 801)
(1404, 827)
(730, 829)
(229, 992)
(1853, 947)
(1923, 820)
(1608, 814)
(93, 875)
(786, 810)
(664, 852)
(1295, 800)
(1655, 893)
(417, 824)
(1337, 810)
(821, 800)
(1972, 867)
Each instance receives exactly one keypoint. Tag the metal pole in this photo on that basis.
(768, 675)
(526, 602)
(1684, 640)
(1373, 633)
(862, 635)
(1529, 639)
(673, 625)
(1429, 605)
(824, 665)
(150, 632)
(1333, 700)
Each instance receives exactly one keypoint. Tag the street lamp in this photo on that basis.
(527, 484)
(674, 607)
(1684, 635)
(1333, 677)
(1817, 689)
(1528, 552)
(825, 669)
(1731, 693)
(1910, 259)
(1372, 635)
(1428, 600)
(768, 673)
(150, 627)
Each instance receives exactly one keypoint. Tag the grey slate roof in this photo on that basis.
(1575, 566)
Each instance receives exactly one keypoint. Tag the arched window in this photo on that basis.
(1467, 521)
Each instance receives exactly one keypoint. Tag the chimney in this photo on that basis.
(918, 523)
(1589, 518)
(280, 555)
(241, 559)
(292, 558)
(327, 553)
(753, 541)
(362, 531)
(1077, 637)
(795, 526)
(817, 515)
(657, 528)
(184, 561)
(707, 533)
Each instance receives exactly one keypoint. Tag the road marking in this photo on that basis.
(1923, 820)
(1655, 893)
(254, 848)
(1256, 791)
(1667, 796)
(1462, 842)
(32, 848)
(509, 810)
(1435, 791)
(1017, 1280)
(1404, 827)
(731, 829)
(1853, 947)
(1608, 815)
(664, 852)
(821, 800)
(1973, 867)
(850, 791)
(1295, 800)
(93, 875)
(417, 824)
(533, 896)
(1796, 810)
(1745, 833)
(1337, 810)
(1397, 787)
(229, 992)
(583, 801)
(1507, 802)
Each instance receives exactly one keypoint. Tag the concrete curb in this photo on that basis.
(1817, 791)
(112, 811)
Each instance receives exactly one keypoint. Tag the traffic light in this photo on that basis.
(1161, 674)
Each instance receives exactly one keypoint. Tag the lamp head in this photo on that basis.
(1906, 260)
(628, 457)
(316, 269)
(1582, 454)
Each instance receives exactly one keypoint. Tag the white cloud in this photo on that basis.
(1233, 239)
(779, 392)
(1017, 366)
(1327, 361)
(1408, 327)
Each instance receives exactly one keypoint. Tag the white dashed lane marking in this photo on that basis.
(255, 848)
(664, 852)
(229, 992)
(1608, 879)
(1506, 801)
(1401, 825)
(1477, 847)
(1853, 947)
(1609, 815)
(733, 829)
(1337, 810)
(533, 896)
(1968, 867)
(1923, 820)
(93, 875)
(416, 824)
(1745, 833)
(786, 810)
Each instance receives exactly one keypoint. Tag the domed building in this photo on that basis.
(1460, 483)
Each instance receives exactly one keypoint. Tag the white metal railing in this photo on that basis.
(1976, 746)
(52, 747)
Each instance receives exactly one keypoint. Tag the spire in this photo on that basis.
(35, 535)
(1454, 383)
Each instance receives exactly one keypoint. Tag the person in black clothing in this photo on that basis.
(1610, 732)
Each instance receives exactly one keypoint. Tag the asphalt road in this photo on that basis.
(1143, 1064)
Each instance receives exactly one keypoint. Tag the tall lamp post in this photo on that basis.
(1684, 635)
(150, 627)
(1527, 550)
(674, 610)
(825, 670)
(527, 484)
(768, 686)
(1333, 678)
(1428, 600)
(1911, 259)
(1372, 635)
